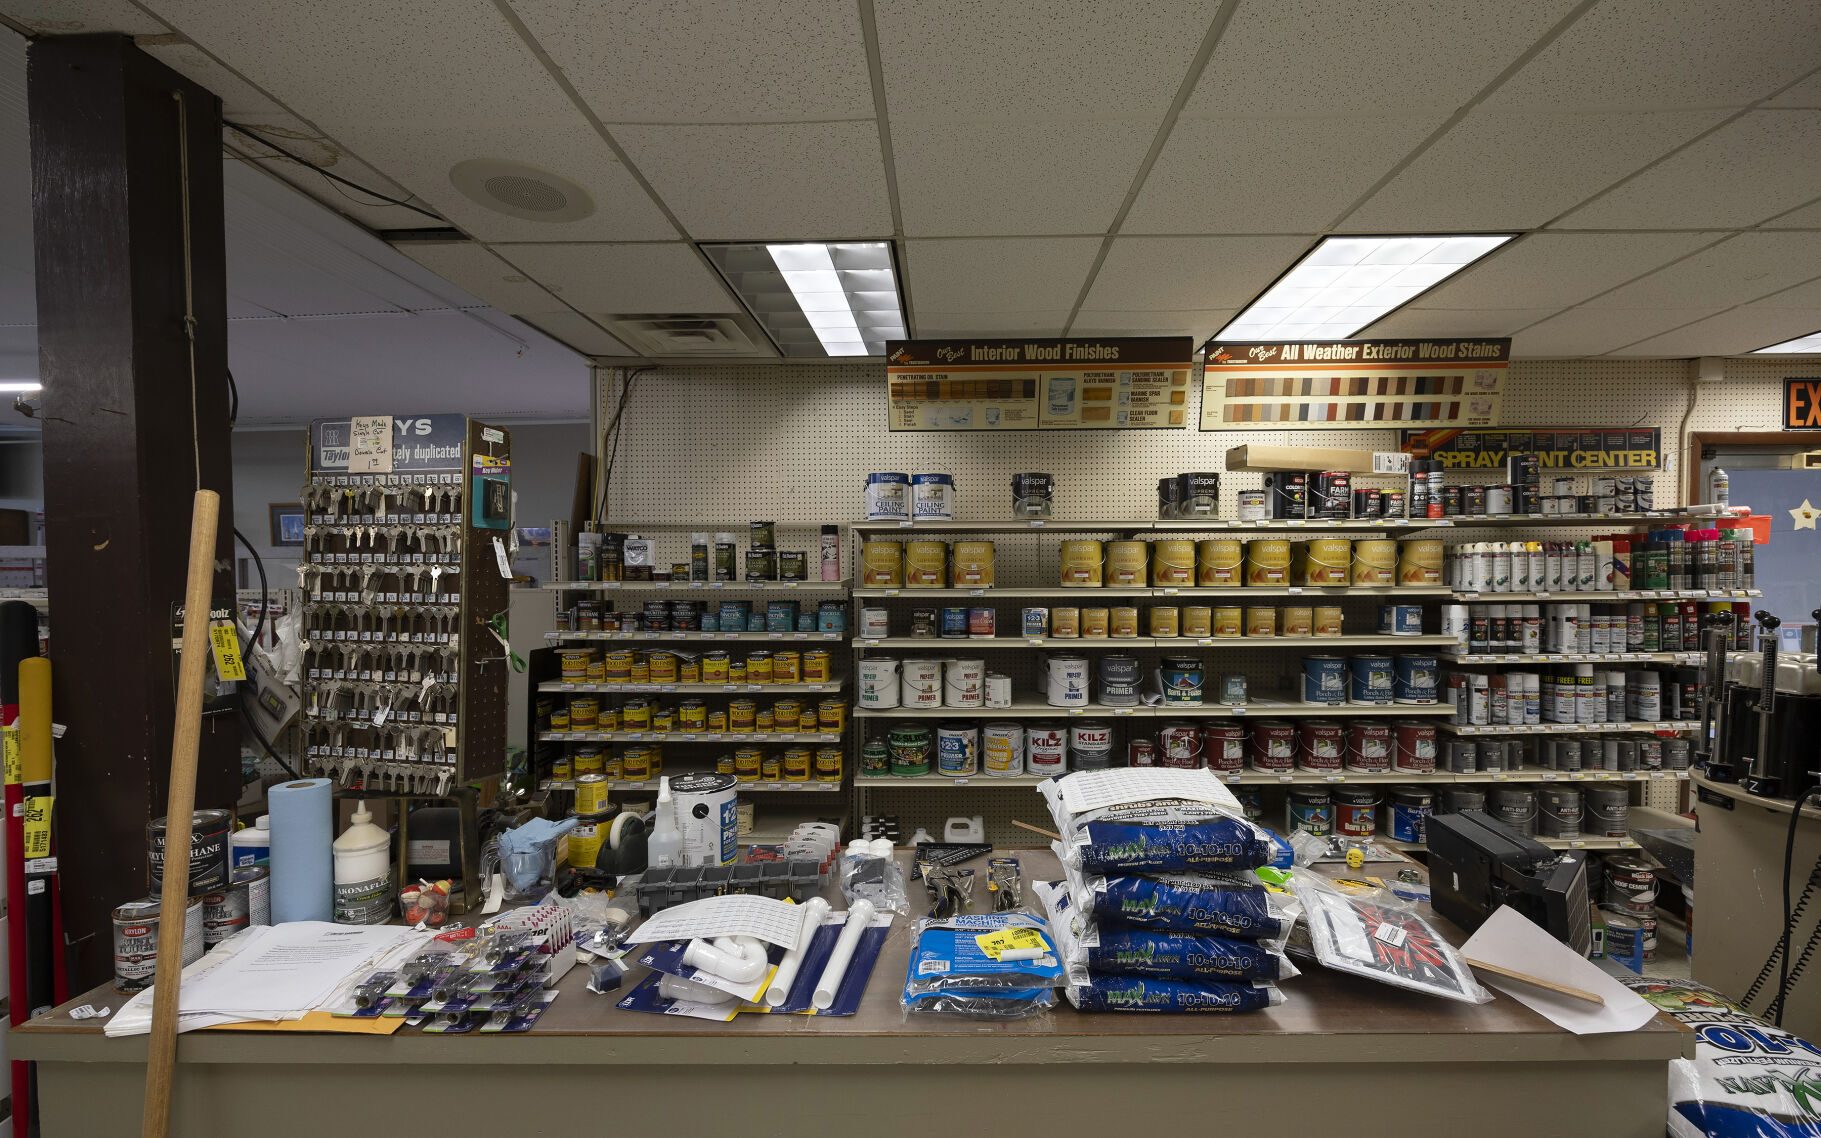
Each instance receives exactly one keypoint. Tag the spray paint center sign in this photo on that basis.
(1033, 385)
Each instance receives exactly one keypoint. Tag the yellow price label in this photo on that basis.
(997, 942)
(15, 764)
(226, 642)
(38, 827)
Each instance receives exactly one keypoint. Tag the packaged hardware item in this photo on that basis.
(1102, 993)
(983, 966)
(1232, 905)
(1378, 936)
(1155, 820)
(1089, 948)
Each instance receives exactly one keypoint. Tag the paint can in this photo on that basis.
(1310, 809)
(982, 622)
(933, 497)
(875, 623)
(1296, 620)
(1126, 563)
(1140, 752)
(1031, 495)
(244, 903)
(1233, 689)
(1410, 810)
(964, 683)
(910, 750)
(887, 497)
(817, 666)
(1002, 749)
(973, 564)
(1261, 620)
(925, 564)
(1327, 620)
(640, 763)
(1630, 883)
(954, 622)
(1046, 749)
(587, 760)
(1559, 811)
(1419, 562)
(1229, 621)
(1368, 746)
(878, 682)
(1515, 806)
(1179, 745)
(1629, 936)
(1355, 811)
(1267, 561)
(209, 831)
(1173, 562)
(1181, 679)
(957, 750)
(1081, 564)
(1065, 622)
(574, 663)
(1413, 746)
(590, 794)
(1374, 561)
(1371, 680)
(882, 564)
(1091, 744)
(1223, 747)
(1324, 679)
(584, 712)
(1197, 620)
(920, 684)
(1119, 679)
(1199, 494)
(1273, 748)
(1252, 506)
(1458, 798)
(1121, 622)
(1414, 679)
(1400, 620)
(1165, 620)
(1607, 812)
(1461, 757)
(1036, 621)
(707, 816)
(1251, 801)
(1219, 562)
(998, 690)
(1321, 743)
(136, 941)
(1327, 561)
(1066, 681)
(1331, 495)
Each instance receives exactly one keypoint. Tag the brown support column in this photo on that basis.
(135, 418)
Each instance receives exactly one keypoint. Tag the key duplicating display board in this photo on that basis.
(1038, 385)
(1353, 383)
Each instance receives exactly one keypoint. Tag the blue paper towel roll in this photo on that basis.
(303, 838)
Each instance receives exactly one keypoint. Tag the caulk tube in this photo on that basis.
(813, 912)
(859, 916)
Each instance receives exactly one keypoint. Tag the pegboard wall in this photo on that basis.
(795, 443)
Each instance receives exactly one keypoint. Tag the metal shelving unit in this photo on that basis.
(1617, 595)
(694, 586)
(568, 686)
(1084, 642)
(1571, 657)
(1181, 592)
(1676, 725)
(689, 637)
(748, 737)
(1257, 710)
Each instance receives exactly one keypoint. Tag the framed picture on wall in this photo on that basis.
(287, 524)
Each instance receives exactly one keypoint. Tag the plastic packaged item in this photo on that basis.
(1235, 905)
(1159, 834)
(1089, 949)
(1375, 935)
(865, 875)
(983, 966)
(1108, 993)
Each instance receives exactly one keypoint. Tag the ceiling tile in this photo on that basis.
(578, 332)
(708, 61)
(72, 17)
(1180, 273)
(992, 275)
(1556, 270)
(946, 188)
(1804, 94)
(1451, 322)
(475, 269)
(1592, 332)
(792, 181)
(1763, 164)
(1740, 269)
(1730, 333)
(1269, 175)
(308, 144)
(1637, 54)
(1041, 59)
(1196, 324)
(1806, 295)
(935, 325)
(238, 97)
(1278, 58)
(1806, 217)
(1517, 171)
(624, 279)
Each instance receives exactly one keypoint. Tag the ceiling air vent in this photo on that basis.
(519, 190)
(693, 336)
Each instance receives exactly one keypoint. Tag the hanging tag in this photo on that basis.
(370, 444)
(505, 562)
(37, 827)
(226, 643)
(15, 765)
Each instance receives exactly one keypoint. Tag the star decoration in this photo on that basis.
(1805, 515)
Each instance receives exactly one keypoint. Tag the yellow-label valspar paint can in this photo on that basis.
(1126, 563)
(1419, 562)
(1197, 620)
(925, 564)
(1327, 620)
(882, 564)
(1173, 562)
(1261, 620)
(1327, 561)
(1374, 561)
(1082, 562)
(1229, 620)
(1165, 620)
(973, 564)
(1295, 620)
(1267, 561)
(1094, 623)
(1219, 563)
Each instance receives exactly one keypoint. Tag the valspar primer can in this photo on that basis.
(244, 903)
(136, 941)
(707, 812)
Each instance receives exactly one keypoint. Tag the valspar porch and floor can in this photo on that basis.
(707, 812)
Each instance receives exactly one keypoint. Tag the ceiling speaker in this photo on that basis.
(519, 190)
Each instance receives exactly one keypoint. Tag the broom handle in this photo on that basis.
(161, 1061)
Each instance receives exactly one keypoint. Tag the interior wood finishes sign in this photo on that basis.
(1038, 385)
(1353, 383)
(1556, 448)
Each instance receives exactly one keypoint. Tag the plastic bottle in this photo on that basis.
(253, 845)
(664, 848)
(363, 872)
(1720, 485)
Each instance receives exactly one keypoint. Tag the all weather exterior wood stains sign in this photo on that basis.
(1032, 385)
(1353, 383)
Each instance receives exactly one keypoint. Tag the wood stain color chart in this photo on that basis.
(1353, 383)
(1035, 385)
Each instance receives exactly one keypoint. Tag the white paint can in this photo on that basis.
(887, 497)
(875, 624)
(963, 683)
(933, 497)
(1002, 748)
(998, 690)
(1066, 681)
(1046, 749)
(878, 682)
(708, 817)
(921, 685)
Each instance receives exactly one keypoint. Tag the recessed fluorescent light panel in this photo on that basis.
(1801, 345)
(1347, 283)
(816, 299)
(20, 386)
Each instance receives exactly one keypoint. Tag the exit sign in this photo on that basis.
(1802, 404)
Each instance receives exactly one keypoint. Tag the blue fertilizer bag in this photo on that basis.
(1088, 947)
(1151, 994)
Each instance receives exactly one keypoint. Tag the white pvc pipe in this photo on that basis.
(813, 912)
(858, 917)
(725, 959)
(676, 988)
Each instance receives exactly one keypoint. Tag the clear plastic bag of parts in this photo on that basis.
(1747, 1079)
(982, 966)
(867, 876)
(1235, 905)
(1089, 948)
(1377, 935)
(1124, 832)
(1309, 849)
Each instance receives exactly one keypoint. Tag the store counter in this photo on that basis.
(1343, 1053)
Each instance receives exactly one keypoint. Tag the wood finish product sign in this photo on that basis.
(1039, 385)
(1353, 383)
(1556, 448)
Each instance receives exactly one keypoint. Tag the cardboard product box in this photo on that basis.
(1258, 456)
